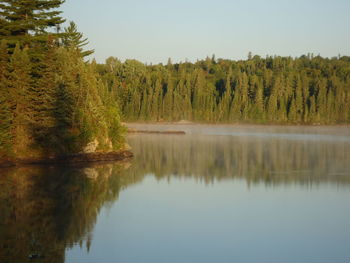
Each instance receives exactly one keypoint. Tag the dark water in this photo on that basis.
(217, 194)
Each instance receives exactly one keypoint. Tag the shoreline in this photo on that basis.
(170, 132)
(242, 124)
(72, 159)
(202, 128)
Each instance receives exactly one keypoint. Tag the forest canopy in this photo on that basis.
(52, 102)
(304, 90)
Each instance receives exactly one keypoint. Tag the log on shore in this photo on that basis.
(156, 132)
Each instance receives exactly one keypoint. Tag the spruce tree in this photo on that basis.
(44, 98)
(154, 108)
(274, 89)
(258, 108)
(225, 102)
(272, 103)
(6, 115)
(19, 100)
(74, 39)
(28, 21)
(168, 100)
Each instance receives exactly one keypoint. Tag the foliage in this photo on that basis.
(28, 22)
(52, 101)
(76, 40)
(258, 90)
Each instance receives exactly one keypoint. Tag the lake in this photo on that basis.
(219, 193)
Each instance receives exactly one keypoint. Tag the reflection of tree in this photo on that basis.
(255, 159)
(44, 211)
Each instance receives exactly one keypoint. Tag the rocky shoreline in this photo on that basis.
(70, 159)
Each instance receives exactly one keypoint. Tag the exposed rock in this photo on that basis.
(184, 122)
(91, 147)
(126, 147)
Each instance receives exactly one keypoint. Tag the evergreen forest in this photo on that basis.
(271, 90)
(52, 101)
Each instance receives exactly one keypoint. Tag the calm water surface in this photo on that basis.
(217, 194)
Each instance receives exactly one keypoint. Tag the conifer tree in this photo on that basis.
(154, 108)
(258, 108)
(275, 89)
(293, 113)
(245, 105)
(51, 101)
(5, 111)
(74, 39)
(272, 104)
(27, 21)
(225, 102)
(44, 97)
(321, 99)
(19, 99)
(168, 100)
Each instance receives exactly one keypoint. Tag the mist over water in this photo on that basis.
(262, 157)
(331, 133)
(217, 194)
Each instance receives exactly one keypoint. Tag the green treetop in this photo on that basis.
(26, 20)
(74, 39)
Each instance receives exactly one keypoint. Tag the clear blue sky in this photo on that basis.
(154, 30)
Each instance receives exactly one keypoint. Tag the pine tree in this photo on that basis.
(272, 104)
(188, 98)
(168, 102)
(313, 112)
(27, 21)
(321, 99)
(44, 98)
(299, 103)
(51, 101)
(293, 113)
(225, 102)
(74, 39)
(258, 108)
(154, 108)
(245, 105)
(6, 115)
(19, 99)
(144, 111)
(274, 89)
(240, 103)
(234, 112)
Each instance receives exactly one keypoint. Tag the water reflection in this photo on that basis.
(44, 211)
(254, 159)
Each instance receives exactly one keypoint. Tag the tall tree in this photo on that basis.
(44, 96)
(29, 21)
(275, 89)
(5, 110)
(225, 102)
(19, 100)
(74, 39)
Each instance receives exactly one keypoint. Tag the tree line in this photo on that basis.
(305, 90)
(52, 101)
